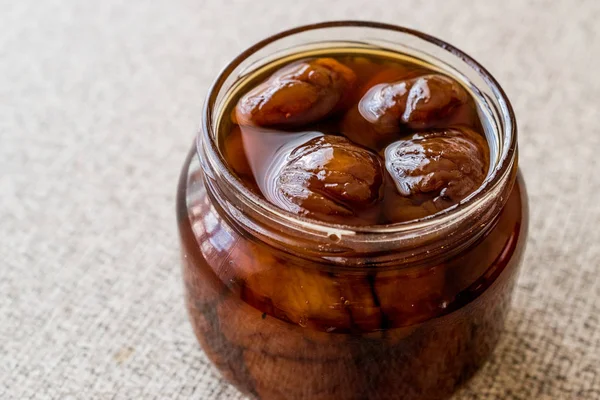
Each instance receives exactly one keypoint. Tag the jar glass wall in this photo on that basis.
(288, 308)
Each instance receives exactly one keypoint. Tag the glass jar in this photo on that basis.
(290, 308)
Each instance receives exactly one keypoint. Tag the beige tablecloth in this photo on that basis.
(99, 101)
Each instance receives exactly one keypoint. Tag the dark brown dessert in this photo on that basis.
(313, 136)
(406, 296)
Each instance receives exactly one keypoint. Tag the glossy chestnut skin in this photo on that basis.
(433, 170)
(329, 176)
(281, 327)
(336, 179)
(390, 110)
(375, 103)
(298, 94)
(419, 103)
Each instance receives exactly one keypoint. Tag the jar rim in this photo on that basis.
(207, 144)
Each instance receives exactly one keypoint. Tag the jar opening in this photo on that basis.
(262, 217)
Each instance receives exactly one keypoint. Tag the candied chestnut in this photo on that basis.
(431, 100)
(304, 296)
(301, 294)
(417, 103)
(329, 177)
(434, 170)
(388, 110)
(298, 94)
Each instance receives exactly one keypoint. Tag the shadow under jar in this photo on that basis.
(293, 308)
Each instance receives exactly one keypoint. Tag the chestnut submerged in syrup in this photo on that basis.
(299, 93)
(421, 125)
(360, 139)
